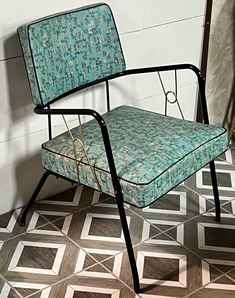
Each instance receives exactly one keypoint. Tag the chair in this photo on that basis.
(117, 153)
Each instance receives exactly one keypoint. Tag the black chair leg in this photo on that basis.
(22, 218)
(215, 191)
(128, 243)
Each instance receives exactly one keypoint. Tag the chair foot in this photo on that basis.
(215, 191)
(23, 215)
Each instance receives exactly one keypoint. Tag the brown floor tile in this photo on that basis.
(214, 242)
(221, 287)
(35, 260)
(200, 182)
(176, 207)
(9, 226)
(70, 201)
(165, 268)
(99, 285)
(98, 229)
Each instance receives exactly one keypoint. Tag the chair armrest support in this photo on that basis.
(104, 132)
(201, 80)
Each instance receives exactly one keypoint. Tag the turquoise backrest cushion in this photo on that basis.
(70, 49)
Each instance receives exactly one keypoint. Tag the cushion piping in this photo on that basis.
(128, 181)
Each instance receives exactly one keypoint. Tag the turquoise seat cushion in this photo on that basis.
(153, 153)
(69, 49)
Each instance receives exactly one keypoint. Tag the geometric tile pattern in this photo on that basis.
(73, 245)
(182, 265)
(54, 270)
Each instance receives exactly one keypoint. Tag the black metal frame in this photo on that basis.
(47, 110)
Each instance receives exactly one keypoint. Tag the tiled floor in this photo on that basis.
(73, 245)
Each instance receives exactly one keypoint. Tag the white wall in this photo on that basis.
(152, 32)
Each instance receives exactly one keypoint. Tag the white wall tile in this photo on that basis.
(178, 42)
(20, 171)
(157, 12)
(24, 12)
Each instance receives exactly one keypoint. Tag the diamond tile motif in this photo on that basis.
(67, 220)
(209, 237)
(54, 270)
(181, 281)
(206, 203)
(24, 287)
(104, 220)
(177, 196)
(74, 202)
(92, 286)
(116, 265)
(179, 232)
(11, 223)
(9, 226)
(70, 201)
(225, 178)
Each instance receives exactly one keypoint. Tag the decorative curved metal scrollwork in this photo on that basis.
(80, 150)
(171, 97)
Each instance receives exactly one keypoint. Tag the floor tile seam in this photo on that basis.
(14, 290)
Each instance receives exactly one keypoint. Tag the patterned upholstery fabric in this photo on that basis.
(70, 49)
(152, 152)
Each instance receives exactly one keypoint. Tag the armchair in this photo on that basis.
(117, 153)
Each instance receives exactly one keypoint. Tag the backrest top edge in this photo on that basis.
(63, 13)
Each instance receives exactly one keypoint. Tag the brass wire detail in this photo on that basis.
(82, 151)
(174, 93)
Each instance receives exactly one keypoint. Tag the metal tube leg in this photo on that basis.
(41, 182)
(128, 244)
(215, 191)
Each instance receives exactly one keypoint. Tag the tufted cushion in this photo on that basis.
(153, 153)
(70, 49)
